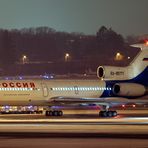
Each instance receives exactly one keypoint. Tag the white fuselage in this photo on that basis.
(39, 92)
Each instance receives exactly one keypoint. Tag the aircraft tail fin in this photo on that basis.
(139, 65)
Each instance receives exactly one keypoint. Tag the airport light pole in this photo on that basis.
(24, 59)
(118, 56)
(67, 56)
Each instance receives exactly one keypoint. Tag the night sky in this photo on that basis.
(127, 17)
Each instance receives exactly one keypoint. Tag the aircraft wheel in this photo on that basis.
(50, 113)
(105, 114)
(115, 113)
(55, 113)
(110, 114)
(47, 113)
(60, 113)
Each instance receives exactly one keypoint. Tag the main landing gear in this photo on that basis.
(101, 113)
(108, 113)
(105, 112)
(54, 113)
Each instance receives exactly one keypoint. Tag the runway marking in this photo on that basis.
(87, 125)
(127, 120)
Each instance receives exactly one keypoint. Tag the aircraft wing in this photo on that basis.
(72, 100)
(100, 101)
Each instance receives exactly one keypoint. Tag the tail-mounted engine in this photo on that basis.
(129, 89)
(112, 72)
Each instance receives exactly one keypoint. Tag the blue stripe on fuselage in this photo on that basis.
(142, 78)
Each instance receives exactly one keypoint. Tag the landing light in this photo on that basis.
(123, 106)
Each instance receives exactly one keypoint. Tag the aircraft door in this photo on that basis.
(45, 90)
(76, 90)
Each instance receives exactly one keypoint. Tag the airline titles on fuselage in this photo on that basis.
(17, 84)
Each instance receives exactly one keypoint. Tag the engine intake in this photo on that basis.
(116, 88)
(100, 72)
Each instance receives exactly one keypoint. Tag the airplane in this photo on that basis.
(122, 86)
